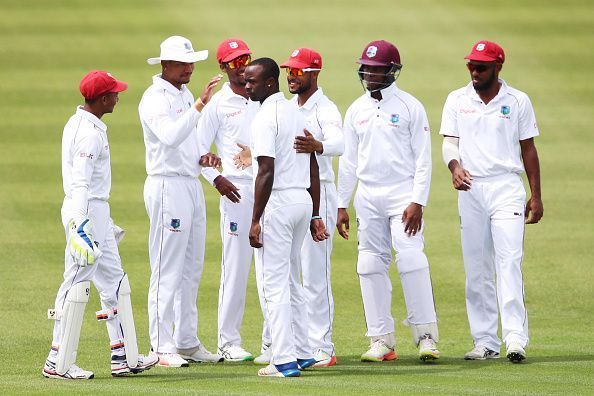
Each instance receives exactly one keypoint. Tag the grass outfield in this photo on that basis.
(47, 46)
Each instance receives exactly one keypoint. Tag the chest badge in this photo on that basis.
(394, 118)
(505, 110)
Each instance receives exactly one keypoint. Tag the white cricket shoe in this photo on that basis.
(515, 352)
(73, 373)
(265, 356)
(120, 368)
(280, 370)
(324, 359)
(428, 349)
(172, 360)
(199, 354)
(379, 351)
(480, 352)
(235, 353)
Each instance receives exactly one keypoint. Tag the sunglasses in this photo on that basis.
(292, 71)
(242, 60)
(479, 68)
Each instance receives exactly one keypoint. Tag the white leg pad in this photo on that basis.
(127, 322)
(420, 330)
(70, 325)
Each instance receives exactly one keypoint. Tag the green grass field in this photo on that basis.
(47, 46)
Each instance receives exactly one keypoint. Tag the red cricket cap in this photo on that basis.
(380, 53)
(486, 51)
(304, 58)
(99, 82)
(232, 48)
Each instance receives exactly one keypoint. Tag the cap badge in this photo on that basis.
(295, 53)
(233, 44)
(480, 47)
(371, 51)
(187, 46)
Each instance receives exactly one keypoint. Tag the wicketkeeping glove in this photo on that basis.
(82, 247)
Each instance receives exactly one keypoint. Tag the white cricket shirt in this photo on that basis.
(324, 122)
(226, 120)
(273, 133)
(386, 142)
(86, 168)
(169, 120)
(489, 134)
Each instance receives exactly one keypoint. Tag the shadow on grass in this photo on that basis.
(348, 366)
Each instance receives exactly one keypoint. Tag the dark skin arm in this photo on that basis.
(308, 144)
(316, 226)
(412, 217)
(226, 188)
(534, 207)
(262, 191)
(342, 223)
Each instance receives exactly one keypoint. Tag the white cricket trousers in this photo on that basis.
(492, 224)
(236, 261)
(106, 274)
(175, 206)
(379, 215)
(315, 262)
(284, 224)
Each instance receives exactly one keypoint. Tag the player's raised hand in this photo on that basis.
(307, 143)
(243, 159)
(207, 92)
(210, 160)
(318, 230)
(461, 178)
(534, 210)
(226, 188)
(342, 223)
(255, 231)
(81, 243)
(412, 217)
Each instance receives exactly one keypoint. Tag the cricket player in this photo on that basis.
(323, 124)
(175, 203)
(489, 129)
(92, 241)
(286, 203)
(226, 121)
(388, 151)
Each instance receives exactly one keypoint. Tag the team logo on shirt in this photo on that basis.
(394, 118)
(175, 224)
(505, 110)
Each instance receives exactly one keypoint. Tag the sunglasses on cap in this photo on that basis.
(242, 60)
(295, 72)
(479, 68)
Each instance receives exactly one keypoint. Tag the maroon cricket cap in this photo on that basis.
(486, 51)
(380, 53)
(99, 82)
(304, 58)
(232, 48)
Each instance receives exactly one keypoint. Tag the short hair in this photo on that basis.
(270, 68)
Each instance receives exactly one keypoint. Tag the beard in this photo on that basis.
(485, 84)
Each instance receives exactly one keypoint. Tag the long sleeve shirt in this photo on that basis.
(387, 141)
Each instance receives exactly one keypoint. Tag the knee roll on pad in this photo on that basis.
(368, 264)
(124, 311)
(70, 325)
(410, 260)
